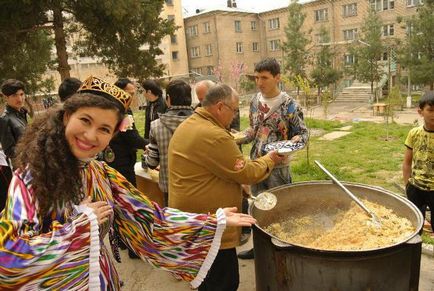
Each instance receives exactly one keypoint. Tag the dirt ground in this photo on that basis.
(139, 275)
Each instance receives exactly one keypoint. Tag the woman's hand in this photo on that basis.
(102, 209)
(237, 219)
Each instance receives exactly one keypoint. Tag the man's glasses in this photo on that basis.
(234, 111)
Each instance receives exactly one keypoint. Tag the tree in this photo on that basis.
(368, 51)
(236, 70)
(123, 34)
(296, 55)
(421, 45)
(25, 53)
(324, 72)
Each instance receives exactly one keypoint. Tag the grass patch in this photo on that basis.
(364, 156)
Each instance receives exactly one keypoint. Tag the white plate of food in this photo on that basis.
(284, 147)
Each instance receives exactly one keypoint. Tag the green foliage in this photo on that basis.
(324, 73)
(25, 53)
(246, 84)
(124, 34)
(368, 51)
(296, 55)
(421, 43)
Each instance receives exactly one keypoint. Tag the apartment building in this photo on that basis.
(230, 35)
(221, 41)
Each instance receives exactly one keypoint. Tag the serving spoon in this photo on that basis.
(374, 219)
(264, 201)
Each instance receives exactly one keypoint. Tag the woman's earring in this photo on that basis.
(109, 155)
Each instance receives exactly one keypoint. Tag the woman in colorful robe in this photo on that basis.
(62, 203)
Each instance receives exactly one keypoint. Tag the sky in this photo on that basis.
(190, 6)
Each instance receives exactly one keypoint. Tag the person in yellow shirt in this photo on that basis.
(418, 164)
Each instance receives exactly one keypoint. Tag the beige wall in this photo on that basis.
(178, 66)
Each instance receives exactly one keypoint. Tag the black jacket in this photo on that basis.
(152, 110)
(124, 146)
(12, 125)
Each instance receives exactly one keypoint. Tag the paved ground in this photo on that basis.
(139, 275)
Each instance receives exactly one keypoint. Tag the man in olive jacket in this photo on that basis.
(206, 171)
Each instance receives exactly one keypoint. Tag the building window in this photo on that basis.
(388, 30)
(274, 45)
(198, 71)
(255, 46)
(237, 24)
(175, 56)
(171, 17)
(321, 15)
(350, 34)
(209, 70)
(253, 25)
(192, 31)
(349, 59)
(173, 39)
(195, 52)
(380, 5)
(208, 50)
(239, 47)
(414, 2)
(274, 23)
(321, 38)
(206, 27)
(169, 2)
(409, 28)
(349, 10)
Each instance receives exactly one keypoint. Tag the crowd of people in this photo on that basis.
(68, 181)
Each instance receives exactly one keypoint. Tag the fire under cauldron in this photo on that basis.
(282, 266)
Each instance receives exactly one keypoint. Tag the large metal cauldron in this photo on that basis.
(281, 266)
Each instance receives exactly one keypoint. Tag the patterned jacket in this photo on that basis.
(162, 130)
(282, 124)
(65, 249)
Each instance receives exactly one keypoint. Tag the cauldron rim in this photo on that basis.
(282, 244)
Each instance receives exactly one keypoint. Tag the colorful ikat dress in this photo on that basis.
(64, 250)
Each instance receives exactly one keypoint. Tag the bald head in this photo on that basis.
(202, 88)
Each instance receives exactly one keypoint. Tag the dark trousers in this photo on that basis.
(421, 199)
(224, 274)
(5, 179)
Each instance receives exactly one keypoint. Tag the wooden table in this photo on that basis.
(147, 185)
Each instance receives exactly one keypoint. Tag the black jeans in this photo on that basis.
(5, 179)
(224, 274)
(421, 199)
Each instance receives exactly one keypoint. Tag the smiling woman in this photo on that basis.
(62, 203)
(89, 130)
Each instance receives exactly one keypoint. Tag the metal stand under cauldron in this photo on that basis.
(280, 266)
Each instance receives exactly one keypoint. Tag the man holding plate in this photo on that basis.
(276, 122)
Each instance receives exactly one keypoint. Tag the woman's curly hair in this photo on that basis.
(44, 151)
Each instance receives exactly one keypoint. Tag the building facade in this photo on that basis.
(219, 38)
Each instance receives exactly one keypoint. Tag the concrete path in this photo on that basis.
(138, 275)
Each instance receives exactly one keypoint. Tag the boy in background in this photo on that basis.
(418, 164)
